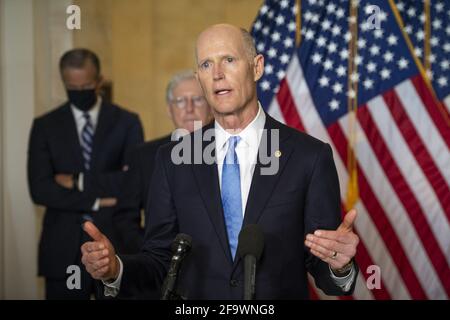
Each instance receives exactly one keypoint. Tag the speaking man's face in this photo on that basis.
(225, 71)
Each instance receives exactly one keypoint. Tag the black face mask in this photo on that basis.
(82, 99)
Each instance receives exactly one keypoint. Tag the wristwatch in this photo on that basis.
(344, 271)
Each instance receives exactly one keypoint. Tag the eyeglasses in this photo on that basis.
(181, 102)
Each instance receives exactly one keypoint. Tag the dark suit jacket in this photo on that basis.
(135, 193)
(128, 218)
(54, 148)
(301, 197)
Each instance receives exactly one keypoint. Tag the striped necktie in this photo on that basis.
(87, 138)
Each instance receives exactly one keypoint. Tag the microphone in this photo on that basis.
(250, 248)
(180, 248)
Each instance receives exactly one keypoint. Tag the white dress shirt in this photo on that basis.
(247, 151)
(80, 122)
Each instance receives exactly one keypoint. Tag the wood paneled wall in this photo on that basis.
(143, 42)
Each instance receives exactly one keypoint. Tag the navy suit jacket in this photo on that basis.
(54, 148)
(135, 192)
(301, 197)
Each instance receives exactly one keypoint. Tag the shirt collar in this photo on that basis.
(250, 136)
(93, 113)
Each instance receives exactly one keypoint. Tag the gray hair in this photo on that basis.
(249, 44)
(175, 80)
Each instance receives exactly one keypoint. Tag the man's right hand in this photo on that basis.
(99, 256)
(65, 180)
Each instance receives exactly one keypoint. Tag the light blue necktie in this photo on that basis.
(231, 194)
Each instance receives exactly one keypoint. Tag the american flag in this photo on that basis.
(415, 17)
(400, 136)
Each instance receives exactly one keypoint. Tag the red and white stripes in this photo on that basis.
(403, 160)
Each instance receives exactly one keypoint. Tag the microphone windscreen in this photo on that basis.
(251, 241)
(182, 239)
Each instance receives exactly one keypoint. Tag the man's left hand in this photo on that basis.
(337, 248)
(65, 180)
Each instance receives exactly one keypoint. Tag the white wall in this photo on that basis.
(19, 229)
(33, 35)
(1, 159)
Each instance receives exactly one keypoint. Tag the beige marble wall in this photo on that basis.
(143, 42)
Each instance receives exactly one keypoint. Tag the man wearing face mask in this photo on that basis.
(76, 161)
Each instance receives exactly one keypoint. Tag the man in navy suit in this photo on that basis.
(293, 196)
(76, 158)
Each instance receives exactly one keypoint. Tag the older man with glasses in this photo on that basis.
(186, 104)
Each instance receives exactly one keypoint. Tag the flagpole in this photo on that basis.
(298, 23)
(352, 103)
(418, 62)
(426, 40)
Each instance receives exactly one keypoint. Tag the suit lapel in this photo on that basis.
(262, 185)
(208, 183)
(104, 124)
(69, 128)
(260, 190)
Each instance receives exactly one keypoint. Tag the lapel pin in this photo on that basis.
(278, 153)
